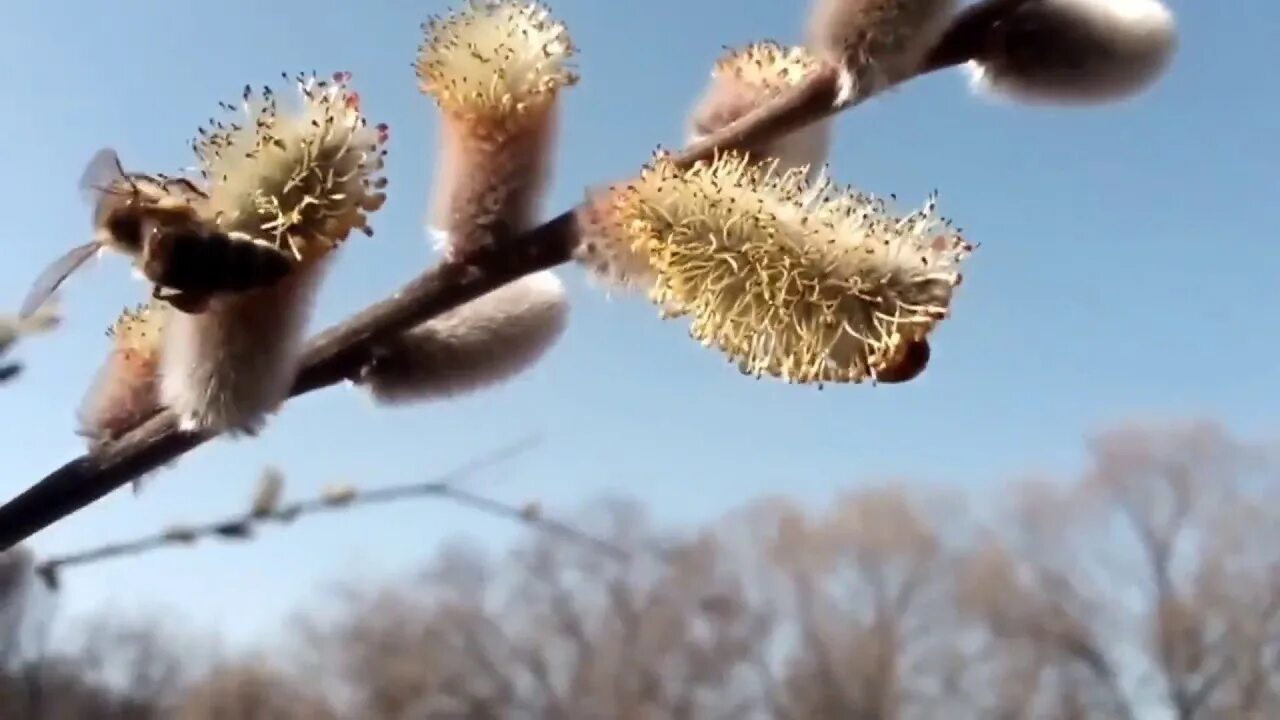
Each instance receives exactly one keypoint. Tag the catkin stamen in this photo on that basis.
(790, 278)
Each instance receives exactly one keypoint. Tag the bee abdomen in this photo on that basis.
(211, 263)
(254, 265)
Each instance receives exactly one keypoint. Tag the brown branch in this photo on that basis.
(241, 526)
(340, 352)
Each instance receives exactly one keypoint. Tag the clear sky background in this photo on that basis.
(1128, 268)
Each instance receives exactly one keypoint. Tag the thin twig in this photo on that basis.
(241, 526)
(13, 329)
(340, 352)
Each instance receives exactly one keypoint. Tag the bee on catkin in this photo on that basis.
(1070, 51)
(126, 390)
(300, 181)
(745, 79)
(495, 68)
(878, 43)
(476, 345)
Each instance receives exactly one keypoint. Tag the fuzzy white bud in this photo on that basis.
(879, 43)
(486, 341)
(1075, 51)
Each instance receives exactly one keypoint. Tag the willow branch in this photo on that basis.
(339, 353)
(242, 526)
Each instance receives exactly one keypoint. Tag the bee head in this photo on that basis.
(123, 228)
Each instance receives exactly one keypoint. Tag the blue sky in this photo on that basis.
(1126, 265)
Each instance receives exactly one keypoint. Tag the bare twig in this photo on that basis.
(13, 329)
(241, 525)
(340, 352)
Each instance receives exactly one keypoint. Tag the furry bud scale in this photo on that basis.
(879, 43)
(1075, 51)
(486, 341)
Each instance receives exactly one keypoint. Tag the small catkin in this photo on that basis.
(879, 43)
(228, 367)
(789, 278)
(476, 345)
(302, 181)
(1075, 51)
(495, 69)
(126, 389)
(748, 78)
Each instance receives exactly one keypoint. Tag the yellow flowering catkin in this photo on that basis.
(496, 70)
(747, 78)
(126, 389)
(794, 279)
(302, 181)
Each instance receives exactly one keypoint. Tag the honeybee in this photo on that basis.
(156, 220)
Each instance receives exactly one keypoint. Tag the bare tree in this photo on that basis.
(1150, 583)
(250, 690)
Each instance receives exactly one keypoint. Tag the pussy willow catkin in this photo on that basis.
(798, 280)
(303, 180)
(486, 341)
(126, 389)
(1075, 51)
(496, 70)
(747, 78)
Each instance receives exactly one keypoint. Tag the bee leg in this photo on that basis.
(188, 303)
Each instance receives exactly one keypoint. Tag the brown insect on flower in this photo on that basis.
(747, 78)
(301, 181)
(496, 69)
(789, 278)
(158, 222)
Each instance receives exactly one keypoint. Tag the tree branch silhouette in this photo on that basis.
(241, 526)
(342, 351)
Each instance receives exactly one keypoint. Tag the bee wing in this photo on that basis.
(185, 189)
(102, 172)
(54, 275)
(102, 177)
